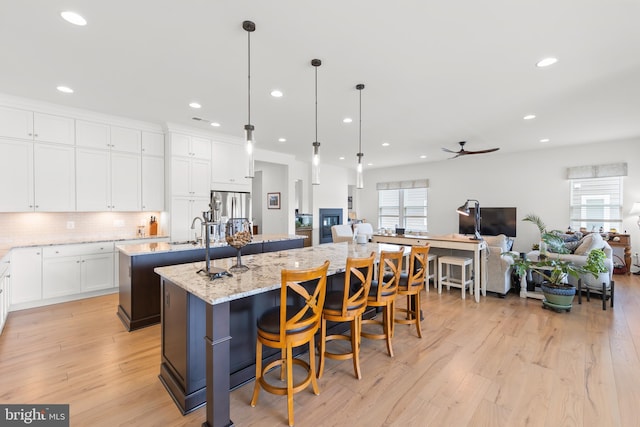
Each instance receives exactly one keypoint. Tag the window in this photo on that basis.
(405, 208)
(596, 203)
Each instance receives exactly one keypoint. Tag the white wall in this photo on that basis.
(532, 181)
(274, 180)
(331, 193)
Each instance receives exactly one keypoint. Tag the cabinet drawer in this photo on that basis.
(74, 250)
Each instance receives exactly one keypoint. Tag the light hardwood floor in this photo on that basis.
(502, 362)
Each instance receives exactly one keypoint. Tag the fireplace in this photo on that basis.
(328, 217)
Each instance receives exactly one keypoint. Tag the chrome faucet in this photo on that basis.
(193, 227)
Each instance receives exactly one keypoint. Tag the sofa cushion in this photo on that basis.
(501, 241)
(588, 242)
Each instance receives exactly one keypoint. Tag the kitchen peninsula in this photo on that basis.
(225, 311)
(139, 286)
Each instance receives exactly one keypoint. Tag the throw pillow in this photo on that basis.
(590, 241)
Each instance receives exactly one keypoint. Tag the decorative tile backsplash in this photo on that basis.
(29, 228)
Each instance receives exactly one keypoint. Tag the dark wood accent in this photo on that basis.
(308, 232)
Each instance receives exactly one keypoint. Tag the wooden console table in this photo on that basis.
(624, 242)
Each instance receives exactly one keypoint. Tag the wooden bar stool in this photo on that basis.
(292, 324)
(383, 294)
(447, 279)
(347, 306)
(411, 284)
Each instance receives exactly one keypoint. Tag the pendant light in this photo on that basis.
(315, 160)
(359, 178)
(249, 27)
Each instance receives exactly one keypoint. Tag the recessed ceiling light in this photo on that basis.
(276, 93)
(529, 117)
(423, 156)
(341, 157)
(347, 120)
(215, 124)
(369, 164)
(194, 105)
(282, 139)
(65, 89)
(544, 140)
(546, 62)
(385, 144)
(73, 18)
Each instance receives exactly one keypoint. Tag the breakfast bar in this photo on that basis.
(231, 305)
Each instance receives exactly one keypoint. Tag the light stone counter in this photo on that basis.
(264, 270)
(148, 248)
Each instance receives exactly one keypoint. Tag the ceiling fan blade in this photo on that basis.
(490, 150)
(449, 151)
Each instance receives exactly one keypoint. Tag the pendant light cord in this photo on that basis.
(249, 76)
(360, 126)
(316, 103)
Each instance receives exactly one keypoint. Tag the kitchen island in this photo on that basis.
(225, 311)
(139, 286)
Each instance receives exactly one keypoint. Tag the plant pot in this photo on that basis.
(558, 297)
(596, 282)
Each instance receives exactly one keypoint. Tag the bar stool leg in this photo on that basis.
(463, 280)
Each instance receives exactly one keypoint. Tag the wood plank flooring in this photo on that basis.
(503, 362)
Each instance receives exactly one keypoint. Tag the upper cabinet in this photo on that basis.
(190, 146)
(24, 124)
(105, 137)
(152, 144)
(228, 167)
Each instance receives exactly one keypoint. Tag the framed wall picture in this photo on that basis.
(273, 200)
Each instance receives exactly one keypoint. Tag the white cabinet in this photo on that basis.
(74, 269)
(26, 275)
(38, 177)
(190, 177)
(107, 181)
(152, 183)
(126, 140)
(152, 171)
(105, 137)
(183, 210)
(190, 146)
(229, 164)
(5, 284)
(24, 124)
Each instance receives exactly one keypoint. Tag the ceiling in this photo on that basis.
(435, 72)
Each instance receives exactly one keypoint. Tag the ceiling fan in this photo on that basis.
(463, 152)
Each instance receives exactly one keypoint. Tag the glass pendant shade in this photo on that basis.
(359, 177)
(315, 166)
(248, 133)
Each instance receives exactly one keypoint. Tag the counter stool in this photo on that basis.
(432, 271)
(292, 324)
(347, 305)
(448, 280)
(411, 284)
(383, 294)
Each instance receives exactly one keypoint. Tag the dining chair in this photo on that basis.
(383, 293)
(291, 324)
(347, 305)
(410, 285)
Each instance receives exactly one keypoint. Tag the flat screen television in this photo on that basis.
(493, 221)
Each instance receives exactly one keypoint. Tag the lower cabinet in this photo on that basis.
(26, 280)
(74, 269)
(5, 278)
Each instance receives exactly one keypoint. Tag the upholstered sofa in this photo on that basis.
(499, 266)
(341, 233)
(580, 250)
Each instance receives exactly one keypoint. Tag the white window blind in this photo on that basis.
(403, 204)
(596, 202)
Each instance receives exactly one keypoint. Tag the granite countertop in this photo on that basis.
(148, 248)
(264, 269)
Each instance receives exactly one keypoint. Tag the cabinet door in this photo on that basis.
(200, 178)
(180, 176)
(201, 148)
(26, 275)
(16, 123)
(61, 276)
(152, 183)
(54, 178)
(180, 145)
(92, 135)
(93, 186)
(229, 161)
(127, 140)
(96, 272)
(50, 128)
(16, 174)
(125, 182)
(183, 210)
(152, 144)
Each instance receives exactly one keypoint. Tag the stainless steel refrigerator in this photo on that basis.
(230, 206)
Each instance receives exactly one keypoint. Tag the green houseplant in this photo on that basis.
(596, 267)
(550, 239)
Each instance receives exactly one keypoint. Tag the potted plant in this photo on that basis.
(595, 265)
(549, 240)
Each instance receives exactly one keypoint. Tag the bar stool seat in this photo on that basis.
(447, 279)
